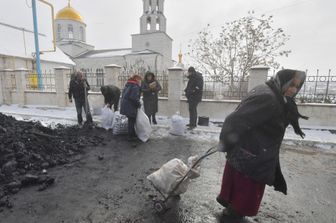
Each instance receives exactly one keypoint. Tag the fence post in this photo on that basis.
(112, 72)
(2, 87)
(258, 75)
(61, 85)
(6, 86)
(21, 84)
(175, 79)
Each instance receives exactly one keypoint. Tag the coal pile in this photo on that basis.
(28, 149)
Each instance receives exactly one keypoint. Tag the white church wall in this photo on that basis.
(9, 62)
(157, 41)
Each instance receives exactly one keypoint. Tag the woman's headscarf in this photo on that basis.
(284, 78)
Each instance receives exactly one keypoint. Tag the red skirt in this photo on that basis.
(241, 192)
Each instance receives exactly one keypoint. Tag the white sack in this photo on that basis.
(142, 126)
(177, 125)
(169, 175)
(107, 118)
(196, 171)
(120, 124)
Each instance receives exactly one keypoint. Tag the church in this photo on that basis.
(151, 48)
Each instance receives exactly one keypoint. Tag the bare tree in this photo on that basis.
(241, 44)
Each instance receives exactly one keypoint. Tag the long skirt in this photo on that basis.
(240, 192)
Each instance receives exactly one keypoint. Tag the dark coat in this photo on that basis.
(130, 100)
(194, 89)
(150, 96)
(253, 133)
(111, 94)
(77, 89)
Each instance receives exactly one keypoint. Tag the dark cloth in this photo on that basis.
(294, 115)
(131, 124)
(152, 118)
(193, 113)
(194, 89)
(77, 89)
(111, 95)
(150, 96)
(130, 100)
(253, 133)
(240, 192)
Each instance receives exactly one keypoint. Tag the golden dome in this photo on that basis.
(69, 13)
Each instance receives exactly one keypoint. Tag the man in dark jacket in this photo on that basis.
(111, 95)
(130, 102)
(78, 89)
(251, 136)
(193, 92)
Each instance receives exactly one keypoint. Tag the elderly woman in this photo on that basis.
(150, 89)
(251, 136)
(130, 102)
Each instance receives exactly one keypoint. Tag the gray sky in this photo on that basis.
(310, 23)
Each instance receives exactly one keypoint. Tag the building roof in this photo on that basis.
(17, 43)
(69, 13)
(107, 53)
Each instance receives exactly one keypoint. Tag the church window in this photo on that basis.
(81, 33)
(148, 23)
(157, 24)
(70, 31)
(59, 28)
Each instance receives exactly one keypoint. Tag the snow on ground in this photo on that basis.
(51, 116)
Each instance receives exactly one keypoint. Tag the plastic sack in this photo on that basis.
(196, 171)
(142, 126)
(107, 116)
(177, 125)
(120, 124)
(169, 175)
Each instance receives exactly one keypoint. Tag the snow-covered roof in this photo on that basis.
(14, 42)
(114, 52)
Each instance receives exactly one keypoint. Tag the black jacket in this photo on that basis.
(77, 89)
(111, 94)
(150, 96)
(130, 100)
(253, 133)
(194, 89)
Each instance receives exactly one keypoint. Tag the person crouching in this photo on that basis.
(111, 95)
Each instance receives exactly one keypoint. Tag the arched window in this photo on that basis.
(81, 30)
(157, 5)
(70, 31)
(59, 29)
(148, 23)
(157, 27)
(150, 5)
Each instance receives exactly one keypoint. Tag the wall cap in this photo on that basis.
(62, 68)
(112, 66)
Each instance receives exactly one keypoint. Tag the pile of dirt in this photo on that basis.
(28, 149)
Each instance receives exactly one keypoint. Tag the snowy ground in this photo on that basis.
(320, 138)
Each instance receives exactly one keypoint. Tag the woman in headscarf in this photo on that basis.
(251, 136)
(150, 89)
(130, 102)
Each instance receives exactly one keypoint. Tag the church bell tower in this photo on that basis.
(153, 34)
